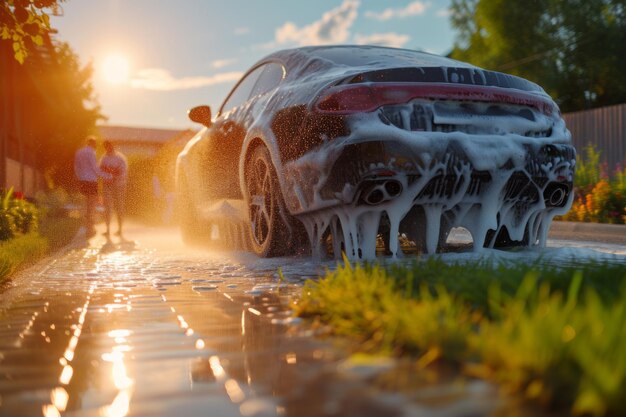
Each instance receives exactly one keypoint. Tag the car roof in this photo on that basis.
(342, 61)
(368, 56)
(371, 55)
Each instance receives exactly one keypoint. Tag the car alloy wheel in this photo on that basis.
(263, 199)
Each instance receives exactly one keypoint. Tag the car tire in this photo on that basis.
(269, 232)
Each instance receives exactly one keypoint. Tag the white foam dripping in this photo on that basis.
(354, 227)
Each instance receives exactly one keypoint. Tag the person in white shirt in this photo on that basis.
(114, 189)
(87, 172)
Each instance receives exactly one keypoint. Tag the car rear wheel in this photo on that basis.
(266, 212)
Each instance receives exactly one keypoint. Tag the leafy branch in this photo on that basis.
(25, 22)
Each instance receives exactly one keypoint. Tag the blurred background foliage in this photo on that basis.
(574, 49)
(65, 110)
(64, 128)
(600, 193)
(17, 215)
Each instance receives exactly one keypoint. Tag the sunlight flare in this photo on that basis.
(115, 69)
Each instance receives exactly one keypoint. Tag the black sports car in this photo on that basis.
(365, 144)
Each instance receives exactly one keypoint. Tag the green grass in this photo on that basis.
(59, 231)
(20, 251)
(556, 336)
(53, 234)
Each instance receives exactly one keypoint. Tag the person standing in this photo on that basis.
(114, 189)
(87, 171)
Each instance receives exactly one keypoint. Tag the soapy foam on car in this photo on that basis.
(487, 142)
(354, 227)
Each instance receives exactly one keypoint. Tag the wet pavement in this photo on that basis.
(149, 327)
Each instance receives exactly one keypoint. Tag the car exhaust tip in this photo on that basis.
(379, 191)
(555, 195)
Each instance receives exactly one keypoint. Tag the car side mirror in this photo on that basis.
(201, 114)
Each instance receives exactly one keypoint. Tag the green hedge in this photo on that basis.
(27, 233)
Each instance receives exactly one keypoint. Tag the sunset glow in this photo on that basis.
(115, 69)
(176, 57)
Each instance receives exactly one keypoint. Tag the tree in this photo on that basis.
(49, 99)
(72, 119)
(24, 22)
(572, 48)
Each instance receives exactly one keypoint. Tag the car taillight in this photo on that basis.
(357, 98)
(347, 100)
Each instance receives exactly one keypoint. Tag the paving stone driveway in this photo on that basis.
(149, 327)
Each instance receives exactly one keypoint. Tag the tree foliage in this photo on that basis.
(572, 48)
(72, 118)
(59, 101)
(24, 22)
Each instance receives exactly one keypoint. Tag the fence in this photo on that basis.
(605, 128)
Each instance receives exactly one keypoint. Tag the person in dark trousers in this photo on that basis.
(87, 172)
(114, 190)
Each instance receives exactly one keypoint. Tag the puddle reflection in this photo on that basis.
(135, 333)
(49, 410)
(119, 375)
(119, 407)
(59, 397)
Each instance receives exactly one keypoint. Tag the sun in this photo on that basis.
(115, 68)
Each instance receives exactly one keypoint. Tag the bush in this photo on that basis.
(26, 216)
(588, 169)
(23, 239)
(7, 225)
(17, 216)
(600, 195)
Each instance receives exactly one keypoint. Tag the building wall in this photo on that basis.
(22, 109)
(137, 149)
(32, 178)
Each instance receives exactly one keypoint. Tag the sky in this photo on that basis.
(155, 59)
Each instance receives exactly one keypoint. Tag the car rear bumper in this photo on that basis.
(444, 174)
(509, 183)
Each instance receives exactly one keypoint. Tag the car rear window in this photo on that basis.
(357, 56)
(454, 75)
(415, 66)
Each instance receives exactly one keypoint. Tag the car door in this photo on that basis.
(231, 125)
(223, 142)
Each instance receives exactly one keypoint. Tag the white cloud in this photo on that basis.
(242, 31)
(333, 27)
(412, 9)
(159, 79)
(395, 40)
(443, 12)
(221, 63)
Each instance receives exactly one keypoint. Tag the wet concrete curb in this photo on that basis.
(594, 232)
